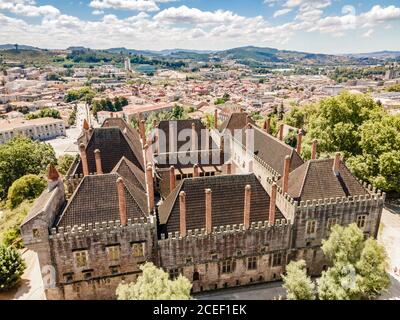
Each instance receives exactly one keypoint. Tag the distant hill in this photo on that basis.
(378, 55)
(20, 47)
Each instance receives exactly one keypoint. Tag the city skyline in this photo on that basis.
(327, 26)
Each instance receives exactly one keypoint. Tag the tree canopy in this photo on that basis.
(25, 188)
(154, 284)
(11, 267)
(21, 156)
(359, 128)
(296, 282)
(44, 113)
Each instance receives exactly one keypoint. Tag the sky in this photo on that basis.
(318, 26)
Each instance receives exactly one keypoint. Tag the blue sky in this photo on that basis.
(325, 26)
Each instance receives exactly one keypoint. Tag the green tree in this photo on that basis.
(64, 162)
(358, 268)
(44, 113)
(24, 188)
(295, 117)
(154, 284)
(296, 282)
(208, 120)
(11, 267)
(21, 156)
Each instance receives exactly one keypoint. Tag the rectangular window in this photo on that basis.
(361, 220)
(277, 259)
(227, 266)
(113, 253)
(174, 273)
(331, 222)
(81, 258)
(138, 249)
(311, 227)
(252, 263)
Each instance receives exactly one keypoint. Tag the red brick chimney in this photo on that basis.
(121, 201)
(267, 125)
(97, 156)
(85, 166)
(85, 125)
(272, 204)
(194, 137)
(314, 149)
(222, 147)
(285, 178)
(142, 131)
(182, 213)
(216, 118)
(111, 115)
(196, 170)
(281, 132)
(336, 164)
(247, 204)
(208, 193)
(229, 168)
(150, 187)
(171, 178)
(106, 124)
(299, 141)
(52, 177)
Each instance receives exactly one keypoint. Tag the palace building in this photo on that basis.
(236, 213)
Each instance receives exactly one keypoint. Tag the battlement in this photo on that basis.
(264, 226)
(110, 227)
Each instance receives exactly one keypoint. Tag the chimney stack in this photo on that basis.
(85, 166)
(285, 181)
(182, 213)
(196, 170)
(267, 125)
(150, 187)
(222, 147)
(97, 156)
(121, 201)
(216, 118)
(314, 149)
(85, 125)
(142, 131)
(247, 204)
(229, 168)
(281, 132)
(106, 124)
(111, 115)
(208, 210)
(194, 137)
(171, 178)
(52, 177)
(336, 164)
(299, 141)
(272, 205)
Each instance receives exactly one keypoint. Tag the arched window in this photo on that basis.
(196, 276)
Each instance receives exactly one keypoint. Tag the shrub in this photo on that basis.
(26, 187)
(11, 267)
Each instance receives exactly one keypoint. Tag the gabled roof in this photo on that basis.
(236, 121)
(132, 135)
(273, 151)
(315, 180)
(131, 173)
(227, 202)
(96, 200)
(113, 145)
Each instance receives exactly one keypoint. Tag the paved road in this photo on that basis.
(68, 145)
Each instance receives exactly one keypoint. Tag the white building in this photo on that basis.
(128, 64)
(37, 129)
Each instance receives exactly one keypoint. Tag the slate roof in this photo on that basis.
(96, 200)
(273, 151)
(131, 173)
(315, 180)
(236, 121)
(181, 125)
(227, 202)
(113, 145)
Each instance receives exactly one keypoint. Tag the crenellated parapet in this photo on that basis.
(139, 227)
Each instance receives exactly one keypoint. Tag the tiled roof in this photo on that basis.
(315, 180)
(273, 151)
(236, 121)
(227, 202)
(113, 145)
(131, 173)
(96, 200)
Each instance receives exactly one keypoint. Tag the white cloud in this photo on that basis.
(139, 5)
(28, 8)
(97, 12)
(369, 33)
(282, 12)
